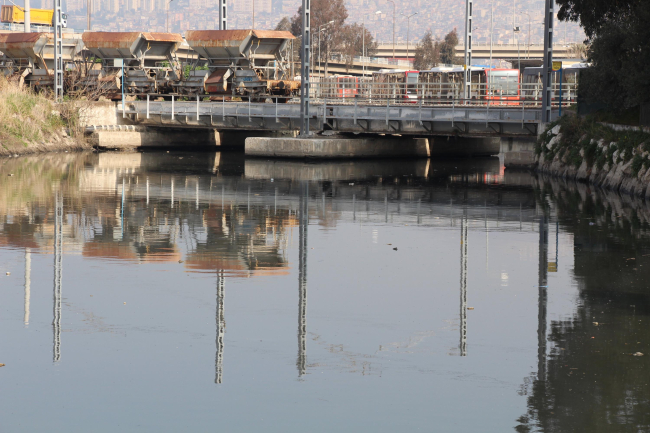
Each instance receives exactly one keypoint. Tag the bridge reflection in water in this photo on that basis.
(221, 214)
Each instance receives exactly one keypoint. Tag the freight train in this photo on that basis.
(226, 64)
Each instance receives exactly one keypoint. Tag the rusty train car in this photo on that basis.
(29, 57)
(221, 64)
(248, 64)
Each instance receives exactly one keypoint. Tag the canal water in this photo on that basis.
(166, 292)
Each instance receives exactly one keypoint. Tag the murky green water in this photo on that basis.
(166, 292)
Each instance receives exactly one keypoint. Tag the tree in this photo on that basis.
(427, 53)
(448, 47)
(284, 25)
(619, 50)
(352, 42)
(323, 12)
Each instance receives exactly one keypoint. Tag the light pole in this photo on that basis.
(491, 27)
(391, 1)
(528, 47)
(320, 67)
(167, 25)
(363, 42)
(515, 31)
(408, 29)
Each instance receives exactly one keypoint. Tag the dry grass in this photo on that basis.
(27, 117)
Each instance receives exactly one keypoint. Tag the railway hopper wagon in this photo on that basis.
(146, 59)
(248, 64)
(29, 57)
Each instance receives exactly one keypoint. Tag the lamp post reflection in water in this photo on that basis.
(303, 218)
(463, 284)
(221, 326)
(58, 250)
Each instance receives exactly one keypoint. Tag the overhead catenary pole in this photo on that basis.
(467, 79)
(89, 10)
(28, 20)
(58, 51)
(549, 12)
(304, 68)
(223, 18)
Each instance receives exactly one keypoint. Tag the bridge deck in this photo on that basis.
(384, 118)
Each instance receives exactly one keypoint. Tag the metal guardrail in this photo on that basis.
(385, 117)
(439, 93)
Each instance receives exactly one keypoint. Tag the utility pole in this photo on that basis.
(549, 12)
(28, 18)
(304, 68)
(491, 27)
(391, 1)
(253, 28)
(58, 51)
(89, 8)
(223, 19)
(408, 29)
(167, 21)
(467, 76)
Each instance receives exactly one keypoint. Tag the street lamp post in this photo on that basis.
(168, 3)
(528, 44)
(408, 29)
(491, 22)
(391, 1)
(515, 31)
(320, 67)
(363, 42)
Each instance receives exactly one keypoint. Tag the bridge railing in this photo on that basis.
(349, 89)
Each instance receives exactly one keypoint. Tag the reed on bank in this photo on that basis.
(28, 118)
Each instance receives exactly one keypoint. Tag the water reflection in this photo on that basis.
(220, 217)
(590, 378)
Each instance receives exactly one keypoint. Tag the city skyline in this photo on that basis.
(151, 15)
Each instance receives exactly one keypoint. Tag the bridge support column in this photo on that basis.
(337, 147)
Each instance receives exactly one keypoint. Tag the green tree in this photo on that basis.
(448, 47)
(427, 53)
(619, 50)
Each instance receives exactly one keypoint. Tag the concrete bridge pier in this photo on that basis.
(332, 147)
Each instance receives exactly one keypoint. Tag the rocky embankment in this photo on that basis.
(580, 149)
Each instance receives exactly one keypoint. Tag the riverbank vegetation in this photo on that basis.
(32, 120)
(619, 52)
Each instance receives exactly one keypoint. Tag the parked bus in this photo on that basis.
(532, 82)
(340, 86)
(395, 84)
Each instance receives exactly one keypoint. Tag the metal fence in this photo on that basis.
(371, 92)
